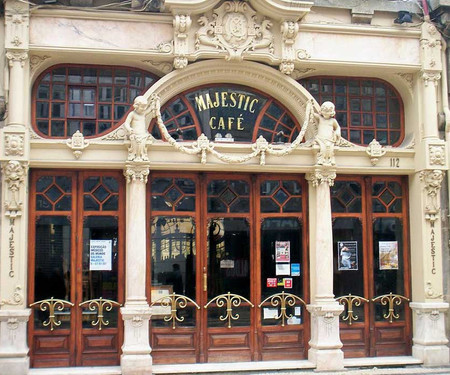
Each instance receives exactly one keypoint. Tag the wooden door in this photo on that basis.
(76, 268)
(371, 271)
(212, 251)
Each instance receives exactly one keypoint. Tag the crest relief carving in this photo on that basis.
(14, 173)
(234, 29)
(432, 180)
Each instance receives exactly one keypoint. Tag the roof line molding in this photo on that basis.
(258, 30)
(277, 9)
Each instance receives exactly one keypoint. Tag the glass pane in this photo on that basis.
(388, 258)
(173, 256)
(90, 76)
(278, 234)
(228, 257)
(43, 92)
(59, 92)
(348, 257)
(42, 109)
(74, 94)
(105, 76)
(58, 110)
(100, 265)
(52, 265)
(74, 75)
(105, 94)
(57, 128)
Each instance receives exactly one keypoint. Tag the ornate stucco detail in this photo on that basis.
(233, 28)
(36, 61)
(430, 43)
(202, 146)
(181, 24)
(163, 67)
(375, 151)
(166, 47)
(408, 78)
(14, 174)
(432, 184)
(137, 171)
(430, 293)
(436, 155)
(289, 32)
(14, 144)
(433, 77)
(16, 28)
(116, 135)
(17, 56)
(16, 299)
(321, 176)
(77, 143)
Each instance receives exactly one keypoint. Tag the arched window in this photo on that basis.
(365, 108)
(91, 99)
(227, 112)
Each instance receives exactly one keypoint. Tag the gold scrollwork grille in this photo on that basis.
(175, 302)
(283, 300)
(349, 301)
(390, 300)
(51, 305)
(99, 305)
(230, 300)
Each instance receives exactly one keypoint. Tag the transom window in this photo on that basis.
(227, 113)
(365, 108)
(90, 99)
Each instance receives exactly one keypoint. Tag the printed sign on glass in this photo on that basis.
(347, 255)
(388, 252)
(282, 251)
(100, 255)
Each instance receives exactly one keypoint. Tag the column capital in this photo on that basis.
(137, 171)
(17, 56)
(430, 76)
(321, 175)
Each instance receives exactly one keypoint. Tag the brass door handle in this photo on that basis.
(205, 280)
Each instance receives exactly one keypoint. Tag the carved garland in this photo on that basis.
(203, 146)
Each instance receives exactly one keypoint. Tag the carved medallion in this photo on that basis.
(233, 28)
(14, 144)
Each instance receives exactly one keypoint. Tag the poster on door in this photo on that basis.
(282, 251)
(347, 255)
(388, 252)
(100, 252)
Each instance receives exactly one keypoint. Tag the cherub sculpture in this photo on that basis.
(137, 130)
(328, 134)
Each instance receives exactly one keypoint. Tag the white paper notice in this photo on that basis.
(270, 313)
(100, 255)
(283, 269)
(298, 310)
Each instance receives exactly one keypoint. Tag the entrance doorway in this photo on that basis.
(371, 265)
(228, 267)
(76, 268)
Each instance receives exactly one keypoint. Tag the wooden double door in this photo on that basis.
(228, 267)
(75, 268)
(371, 264)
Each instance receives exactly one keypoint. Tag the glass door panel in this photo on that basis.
(100, 267)
(228, 257)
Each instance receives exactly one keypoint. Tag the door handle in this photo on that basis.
(205, 280)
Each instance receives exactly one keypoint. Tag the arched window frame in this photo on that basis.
(89, 85)
(350, 107)
(173, 126)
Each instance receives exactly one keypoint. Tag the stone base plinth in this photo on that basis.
(13, 342)
(325, 351)
(429, 339)
(136, 364)
(136, 358)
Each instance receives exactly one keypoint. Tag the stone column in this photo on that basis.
(325, 343)
(14, 157)
(136, 358)
(429, 340)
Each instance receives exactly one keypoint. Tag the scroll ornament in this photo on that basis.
(202, 146)
(432, 180)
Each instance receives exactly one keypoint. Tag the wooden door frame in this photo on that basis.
(76, 242)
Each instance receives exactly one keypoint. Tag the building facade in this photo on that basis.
(222, 181)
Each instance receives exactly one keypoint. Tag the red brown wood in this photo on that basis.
(76, 346)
